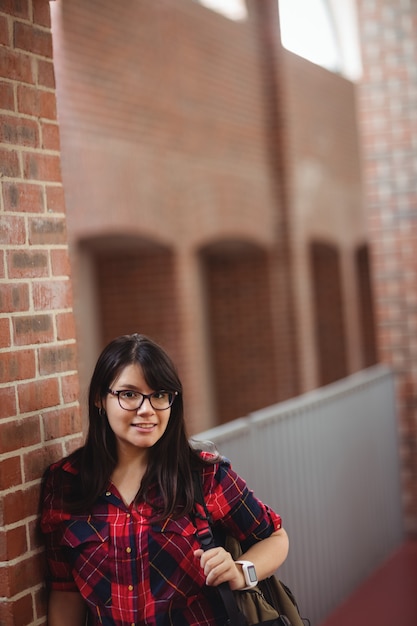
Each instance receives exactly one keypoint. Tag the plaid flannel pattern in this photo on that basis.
(131, 571)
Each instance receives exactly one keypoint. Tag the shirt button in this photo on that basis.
(130, 587)
(128, 515)
(108, 493)
(128, 550)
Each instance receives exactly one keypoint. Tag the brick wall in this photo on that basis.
(39, 414)
(164, 142)
(210, 134)
(324, 189)
(240, 331)
(387, 105)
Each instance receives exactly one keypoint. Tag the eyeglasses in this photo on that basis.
(133, 400)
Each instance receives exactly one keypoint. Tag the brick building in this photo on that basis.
(213, 200)
(200, 181)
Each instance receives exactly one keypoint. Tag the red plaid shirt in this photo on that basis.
(131, 571)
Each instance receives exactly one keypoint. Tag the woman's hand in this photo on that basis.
(219, 567)
(267, 555)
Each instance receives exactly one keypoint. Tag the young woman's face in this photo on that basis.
(140, 428)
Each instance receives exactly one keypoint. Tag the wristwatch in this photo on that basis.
(249, 573)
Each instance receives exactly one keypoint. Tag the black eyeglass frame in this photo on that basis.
(145, 396)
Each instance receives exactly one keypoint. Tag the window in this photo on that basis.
(324, 32)
(233, 9)
(307, 30)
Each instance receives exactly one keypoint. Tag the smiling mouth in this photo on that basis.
(144, 426)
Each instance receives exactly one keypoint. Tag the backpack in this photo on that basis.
(269, 603)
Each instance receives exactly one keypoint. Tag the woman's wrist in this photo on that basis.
(248, 571)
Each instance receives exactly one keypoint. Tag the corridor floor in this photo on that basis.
(387, 598)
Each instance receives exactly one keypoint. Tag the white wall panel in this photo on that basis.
(328, 462)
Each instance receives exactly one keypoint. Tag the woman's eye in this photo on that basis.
(159, 395)
(128, 395)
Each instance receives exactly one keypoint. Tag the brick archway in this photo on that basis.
(239, 321)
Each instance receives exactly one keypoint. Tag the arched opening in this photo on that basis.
(366, 307)
(328, 312)
(240, 332)
(125, 284)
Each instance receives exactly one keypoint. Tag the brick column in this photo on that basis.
(387, 106)
(39, 412)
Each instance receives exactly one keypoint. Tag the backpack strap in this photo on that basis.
(202, 518)
(203, 522)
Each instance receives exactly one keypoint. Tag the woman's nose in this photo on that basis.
(145, 405)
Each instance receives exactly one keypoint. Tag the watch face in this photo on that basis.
(252, 574)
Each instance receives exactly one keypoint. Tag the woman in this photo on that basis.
(117, 514)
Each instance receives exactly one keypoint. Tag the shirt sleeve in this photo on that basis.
(59, 571)
(234, 505)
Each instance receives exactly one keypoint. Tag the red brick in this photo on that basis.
(23, 197)
(8, 402)
(42, 14)
(6, 612)
(65, 324)
(61, 358)
(46, 74)
(50, 136)
(49, 295)
(18, 9)
(34, 396)
(2, 265)
(60, 263)
(38, 166)
(15, 66)
(5, 339)
(35, 538)
(12, 230)
(70, 389)
(3, 546)
(10, 472)
(14, 297)
(27, 263)
(35, 461)
(23, 575)
(36, 102)
(16, 542)
(23, 612)
(20, 433)
(73, 444)
(40, 601)
(17, 130)
(33, 329)
(47, 231)
(17, 365)
(55, 200)
(6, 96)
(61, 422)
(19, 504)
(31, 39)
(9, 162)
(4, 33)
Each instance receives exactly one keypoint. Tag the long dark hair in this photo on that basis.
(171, 460)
